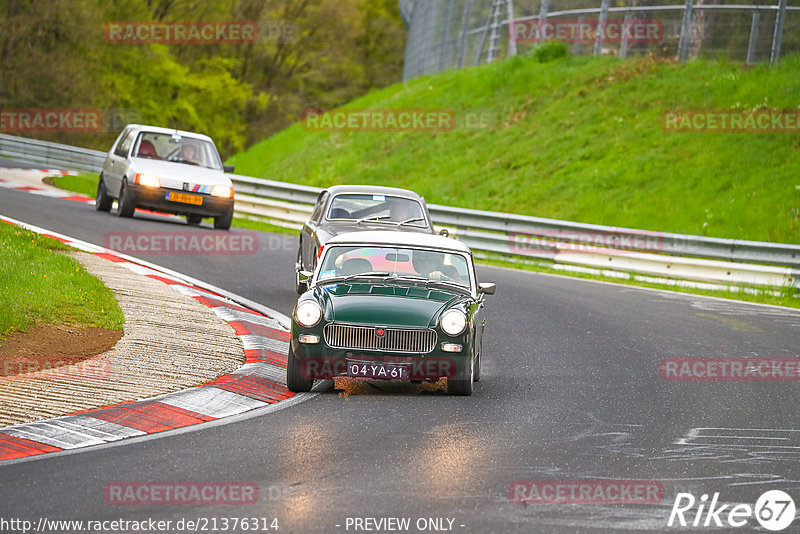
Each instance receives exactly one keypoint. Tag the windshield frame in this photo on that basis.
(423, 210)
(472, 288)
(211, 148)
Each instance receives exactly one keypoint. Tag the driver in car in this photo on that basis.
(431, 265)
(402, 210)
(189, 154)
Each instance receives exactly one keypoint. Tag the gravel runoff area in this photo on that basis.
(170, 342)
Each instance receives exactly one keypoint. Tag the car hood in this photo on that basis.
(181, 172)
(385, 304)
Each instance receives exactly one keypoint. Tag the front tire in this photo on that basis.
(463, 385)
(126, 203)
(295, 381)
(223, 222)
(102, 202)
(298, 267)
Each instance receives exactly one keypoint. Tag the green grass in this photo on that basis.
(40, 286)
(575, 138)
(84, 183)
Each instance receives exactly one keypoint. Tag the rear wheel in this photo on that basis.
(223, 222)
(126, 204)
(295, 380)
(194, 220)
(102, 202)
(463, 384)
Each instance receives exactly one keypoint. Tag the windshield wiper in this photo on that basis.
(447, 284)
(181, 160)
(371, 273)
(407, 221)
(376, 218)
(409, 277)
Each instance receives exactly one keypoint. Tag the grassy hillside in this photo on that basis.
(575, 138)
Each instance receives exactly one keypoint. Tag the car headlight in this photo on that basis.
(148, 180)
(224, 191)
(453, 322)
(308, 313)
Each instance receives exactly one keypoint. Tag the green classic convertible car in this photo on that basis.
(393, 306)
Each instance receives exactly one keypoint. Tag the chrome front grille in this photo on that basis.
(353, 337)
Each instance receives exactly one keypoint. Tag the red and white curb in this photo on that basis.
(261, 381)
(52, 192)
(43, 171)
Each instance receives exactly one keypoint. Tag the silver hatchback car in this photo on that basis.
(166, 170)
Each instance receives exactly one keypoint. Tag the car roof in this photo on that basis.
(370, 189)
(159, 129)
(409, 239)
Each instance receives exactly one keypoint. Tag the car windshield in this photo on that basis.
(377, 208)
(177, 148)
(392, 262)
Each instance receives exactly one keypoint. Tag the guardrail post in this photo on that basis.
(512, 39)
(446, 46)
(544, 7)
(479, 48)
(623, 46)
(497, 23)
(462, 47)
(576, 45)
(776, 37)
(686, 30)
(601, 28)
(751, 46)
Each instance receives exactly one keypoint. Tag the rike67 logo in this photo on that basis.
(774, 510)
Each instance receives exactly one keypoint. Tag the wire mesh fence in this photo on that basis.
(445, 34)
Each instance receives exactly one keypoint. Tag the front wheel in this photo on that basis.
(223, 222)
(463, 385)
(299, 267)
(295, 381)
(102, 202)
(126, 204)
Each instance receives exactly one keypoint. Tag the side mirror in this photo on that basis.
(227, 168)
(303, 278)
(444, 232)
(487, 288)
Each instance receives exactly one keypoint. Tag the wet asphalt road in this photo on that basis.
(571, 390)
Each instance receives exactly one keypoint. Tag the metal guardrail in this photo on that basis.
(53, 155)
(670, 255)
